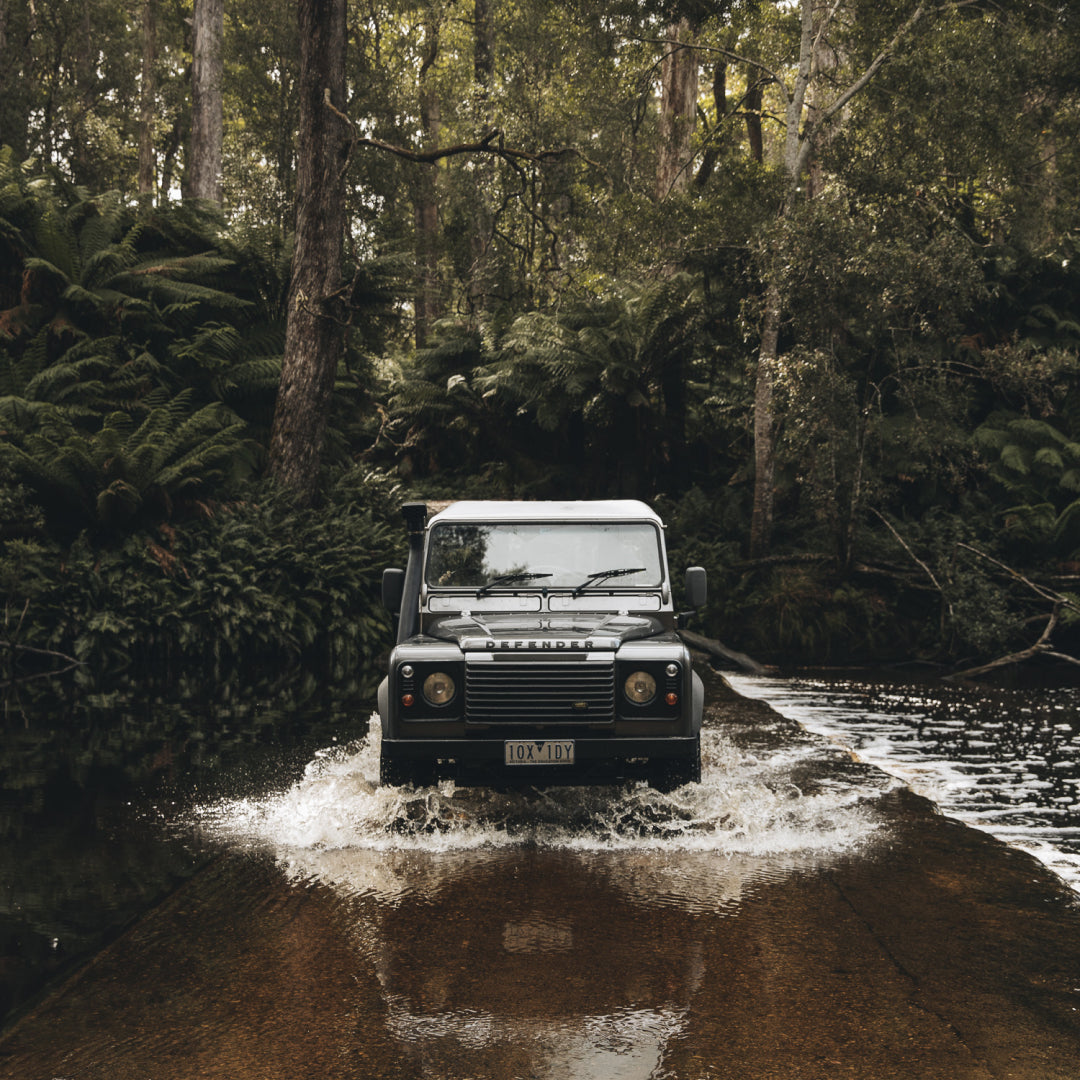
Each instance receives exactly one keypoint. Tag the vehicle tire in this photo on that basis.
(671, 773)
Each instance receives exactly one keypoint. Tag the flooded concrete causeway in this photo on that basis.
(799, 916)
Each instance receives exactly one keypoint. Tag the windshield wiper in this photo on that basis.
(603, 575)
(507, 579)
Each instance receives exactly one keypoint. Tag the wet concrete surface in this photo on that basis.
(929, 951)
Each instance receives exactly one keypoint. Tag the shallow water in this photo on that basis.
(745, 805)
(798, 914)
(549, 933)
(1005, 761)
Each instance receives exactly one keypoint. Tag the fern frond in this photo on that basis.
(56, 245)
(1036, 431)
(1017, 458)
(260, 374)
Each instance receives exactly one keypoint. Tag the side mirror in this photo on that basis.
(697, 586)
(393, 588)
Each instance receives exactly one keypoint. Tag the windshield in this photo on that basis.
(570, 555)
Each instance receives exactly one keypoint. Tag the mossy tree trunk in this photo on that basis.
(315, 331)
(207, 116)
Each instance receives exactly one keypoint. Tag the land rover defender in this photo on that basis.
(537, 644)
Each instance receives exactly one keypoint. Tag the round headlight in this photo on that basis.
(439, 688)
(640, 688)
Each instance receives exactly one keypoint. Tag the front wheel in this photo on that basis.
(668, 774)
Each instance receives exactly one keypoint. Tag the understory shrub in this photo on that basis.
(258, 582)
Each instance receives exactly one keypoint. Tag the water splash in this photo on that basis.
(745, 804)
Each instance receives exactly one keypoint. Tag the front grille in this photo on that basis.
(540, 692)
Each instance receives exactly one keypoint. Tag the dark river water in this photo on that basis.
(255, 904)
(92, 785)
(1003, 760)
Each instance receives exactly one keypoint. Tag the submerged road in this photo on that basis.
(926, 950)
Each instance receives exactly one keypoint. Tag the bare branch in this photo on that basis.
(723, 652)
(52, 674)
(491, 143)
(874, 65)
(915, 558)
(16, 647)
(1040, 590)
(1042, 647)
(736, 58)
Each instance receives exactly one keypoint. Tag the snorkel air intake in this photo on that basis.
(415, 515)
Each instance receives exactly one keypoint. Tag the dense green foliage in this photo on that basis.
(258, 583)
(592, 337)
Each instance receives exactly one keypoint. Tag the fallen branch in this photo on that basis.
(909, 579)
(51, 674)
(72, 662)
(1042, 647)
(720, 650)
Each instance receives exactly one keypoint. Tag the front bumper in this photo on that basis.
(610, 759)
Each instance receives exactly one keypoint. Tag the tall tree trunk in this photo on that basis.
(678, 110)
(147, 91)
(286, 151)
(6, 75)
(480, 278)
(19, 78)
(172, 151)
(761, 522)
(797, 143)
(83, 64)
(825, 63)
(426, 198)
(207, 116)
(800, 135)
(753, 122)
(673, 464)
(314, 333)
(712, 154)
(483, 45)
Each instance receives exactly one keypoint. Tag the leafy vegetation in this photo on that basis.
(257, 583)
(537, 318)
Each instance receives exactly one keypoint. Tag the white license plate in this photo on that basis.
(523, 752)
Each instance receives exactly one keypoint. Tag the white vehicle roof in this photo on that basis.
(474, 510)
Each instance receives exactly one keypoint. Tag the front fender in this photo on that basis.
(384, 703)
(697, 702)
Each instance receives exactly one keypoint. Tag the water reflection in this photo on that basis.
(762, 923)
(87, 777)
(549, 934)
(535, 960)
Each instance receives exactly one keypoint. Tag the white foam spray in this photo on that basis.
(744, 804)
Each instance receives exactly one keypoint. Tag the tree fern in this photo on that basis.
(1039, 466)
(127, 471)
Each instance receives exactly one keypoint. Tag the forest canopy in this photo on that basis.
(802, 275)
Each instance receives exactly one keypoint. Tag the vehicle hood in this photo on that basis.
(484, 633)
